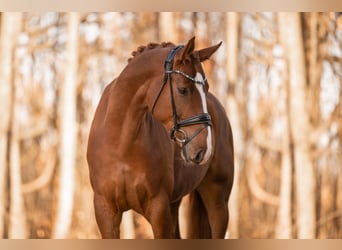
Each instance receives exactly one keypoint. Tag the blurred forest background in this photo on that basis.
(278, 76)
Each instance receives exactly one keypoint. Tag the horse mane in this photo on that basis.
(149, 46)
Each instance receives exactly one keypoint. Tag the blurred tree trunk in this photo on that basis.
(327, 200)
(339, 176)
(145, 28)
(339, 181)
(314, 31)
(201, 29)
(314, 62)
(68, 131)
(284, 220)
(17, 219)
(17, 215)
(168, 31)
(10, 25)
(232, 107)
(127, 230)
(5, 93)
(291, 38)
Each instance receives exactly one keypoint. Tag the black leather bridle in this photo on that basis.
(176, 133)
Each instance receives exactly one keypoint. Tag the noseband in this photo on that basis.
(176, 133)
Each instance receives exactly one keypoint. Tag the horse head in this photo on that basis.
(182, 106)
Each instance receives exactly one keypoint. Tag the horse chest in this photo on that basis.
(186, 178)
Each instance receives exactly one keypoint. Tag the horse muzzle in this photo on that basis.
(195, 149)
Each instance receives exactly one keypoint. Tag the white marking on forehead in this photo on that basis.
(200, 88)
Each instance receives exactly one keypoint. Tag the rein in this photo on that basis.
(176, 133)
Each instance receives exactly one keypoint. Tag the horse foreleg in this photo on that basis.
(175, 220)
(158, 213)
(107, 217)
(198, 226)
(216, 204)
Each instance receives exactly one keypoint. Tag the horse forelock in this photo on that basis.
(149, 47)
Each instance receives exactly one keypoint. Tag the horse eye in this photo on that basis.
(182, 91)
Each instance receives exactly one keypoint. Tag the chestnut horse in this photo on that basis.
(158, 135)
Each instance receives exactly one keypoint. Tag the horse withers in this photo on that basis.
(158, 134)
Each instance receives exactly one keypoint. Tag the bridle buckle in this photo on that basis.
(179, 135)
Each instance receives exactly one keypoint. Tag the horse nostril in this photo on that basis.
(199, 157)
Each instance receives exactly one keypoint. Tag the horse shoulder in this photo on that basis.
(97, 145)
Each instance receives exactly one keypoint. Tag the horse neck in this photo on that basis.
(126, 108)
(126, 101)
(131, 86)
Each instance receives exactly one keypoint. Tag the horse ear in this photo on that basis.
(188, 49)
(204, 54)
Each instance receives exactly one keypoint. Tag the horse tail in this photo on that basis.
(198, 223)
